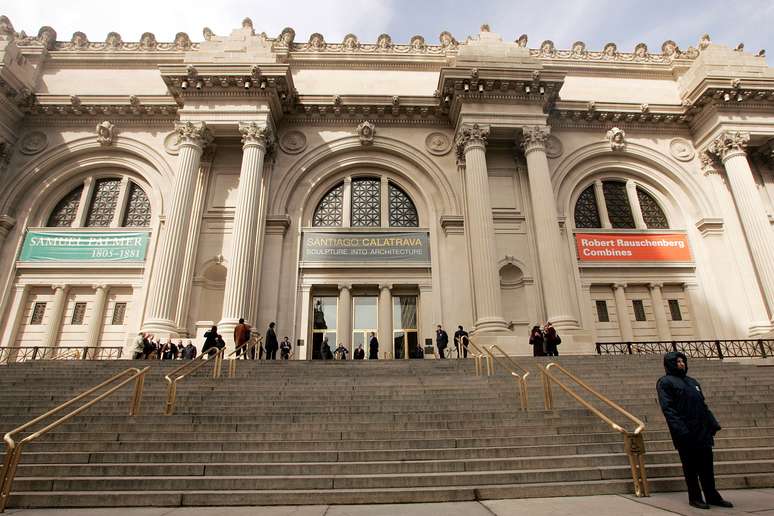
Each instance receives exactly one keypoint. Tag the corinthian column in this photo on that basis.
(6, 225)
(729, 147)
(471, 146)
(554, 276)
(659, 313)
(165, 282)
(97, 317)
(236, 297)
(55, 319)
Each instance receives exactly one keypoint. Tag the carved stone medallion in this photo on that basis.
(293, 142)
(172, 143)
(554, 147)
(33, 143)
(438, 144)
(681, 149)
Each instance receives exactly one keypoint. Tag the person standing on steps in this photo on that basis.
(552, 340)
(441, 341)
(537, 341)
(285, 348)
(692, 427)
(359, 353)
(241, 336)
(271, 343)
(373, 347)
(210, 341)
(461, 340)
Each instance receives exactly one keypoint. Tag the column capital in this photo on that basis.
(383, 286)
(655, 284)
(469, 137)
(6, 223)
(100, 286)
(620, 285)
(60, 286)
(345, 286)
(194, 134)
(256, 134)
(534, 137)
(728, 144)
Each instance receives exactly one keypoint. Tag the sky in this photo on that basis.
(595, 22)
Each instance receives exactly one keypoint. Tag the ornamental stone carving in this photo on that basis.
(641, 51)
(417, 43)
(293, 142)
(681, 149)
(437, 144)
(535, 137)
(384, 42)
(578, 49)
(7, 32)
(350, 42)
(447, 40)
(728, 143)
(189, 133)
(172, 143)
(47, 37)
(365, 132)
(208, 34)
(316, 41)
(148, 41)
(470, 136)
(79, 41)
(33, 143)
(522, 41)
(105, 133)
(547, 48)
(554, 147)
(247, 24)
(182, 41)
(704, 42)
(610, 50)
(617, 139)
(286, 37)
(669, 48)
(114, 40)
(255, 134)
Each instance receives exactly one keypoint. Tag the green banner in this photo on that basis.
(84, 246)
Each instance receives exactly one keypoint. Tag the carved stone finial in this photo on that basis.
(316, 41)
(641, 51)
(547, 48)
(105, 133)
(704, 42)
(208, 34)
(728, 143)
(286, 37)
(365, 132)
(47, 37)
(740, 47)
(75, 101)
(417, 43)
(148, 41)
(447, 40)
(485, 28)
(468, 137)
(384, 42)
(114, 40)
(247, 23)
(79, 41)
(254, 134)
(189, 133)
(522, 41)
(7, 32)
(534, 137)
(610, 50)
(617, 139)
(182, 41)
(669, 48)
(350, 42)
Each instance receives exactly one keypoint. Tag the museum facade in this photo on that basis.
(343, 188)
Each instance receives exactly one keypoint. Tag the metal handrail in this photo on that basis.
(11, 354)
(232, 361)
(188, 368)
(634, 443)
(478, 358)
(72, 354)
(521, 379)
(14, 448)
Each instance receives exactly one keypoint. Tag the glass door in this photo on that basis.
(365, 321)
(324, 311)
(404, 323)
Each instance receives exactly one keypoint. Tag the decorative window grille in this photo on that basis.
(618, 208)
(138, 210)
(79, 311)
(674, 310)
(119, 312)
(330, 210)
(403, 213)
(651, 211)
(38, 311)
(66, 210)
(366, 202)
(639, 310)
(586, 213)
(103, 203)
(602, 313)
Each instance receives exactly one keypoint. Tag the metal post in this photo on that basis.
(719, 349)
(629, 347)
(171, 397)
(762, 348)
(137, 397)
(35, 352)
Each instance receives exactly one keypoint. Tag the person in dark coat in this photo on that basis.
(325, 350)
(537, 341)
(373, 347)
(272, 344)
(441, 341)
(210, 341)
(692, 427)
(359, 353)
(189, 352)
(461, 339)
(552, 340)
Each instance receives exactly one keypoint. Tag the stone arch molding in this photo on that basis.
(50, 175)
(677, 190)
(420, 176)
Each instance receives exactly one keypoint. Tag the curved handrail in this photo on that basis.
(14, 448)
(245, 346)
(481, 355)
(189, 367)
(521, 379)
(634, 443)
(72, 354)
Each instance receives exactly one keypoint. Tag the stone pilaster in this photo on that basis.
(236, 297)
(385, 317)
(554, 275)
(55, 316)
(471, 145)
(13, 322)
(730, 147)
(659, 313)
(344, 319)
(599, 193)
(634, 204)
(6, 225)
(165, 283)
(97, 316)
(622, 312)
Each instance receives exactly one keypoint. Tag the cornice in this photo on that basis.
(603, 113)
(97, 106)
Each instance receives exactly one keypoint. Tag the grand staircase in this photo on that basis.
(365, 432)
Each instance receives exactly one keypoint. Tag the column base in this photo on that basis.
(490, 325)
(163, 328)
(563, 322)
(761, 329)
(226, 330)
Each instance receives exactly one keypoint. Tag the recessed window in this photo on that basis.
(112, 201)
(79, 312)
(365, 196)
(119, 312)
(674, 310)
(602, 314)
(639, 310)
(617, 202)
(38, 311)
(618, 206)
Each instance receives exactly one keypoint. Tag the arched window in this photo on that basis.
(109, 202)
(618, 204)
(365, 197)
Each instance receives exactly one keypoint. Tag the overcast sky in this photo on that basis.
(596, 22)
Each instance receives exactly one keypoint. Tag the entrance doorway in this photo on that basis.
(404, 324)
(365, 320)
(324, 325)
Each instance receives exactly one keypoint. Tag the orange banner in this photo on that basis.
(632, 247)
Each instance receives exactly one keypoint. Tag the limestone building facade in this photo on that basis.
(340, 188)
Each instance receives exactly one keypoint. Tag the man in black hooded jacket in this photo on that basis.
(693, 427)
